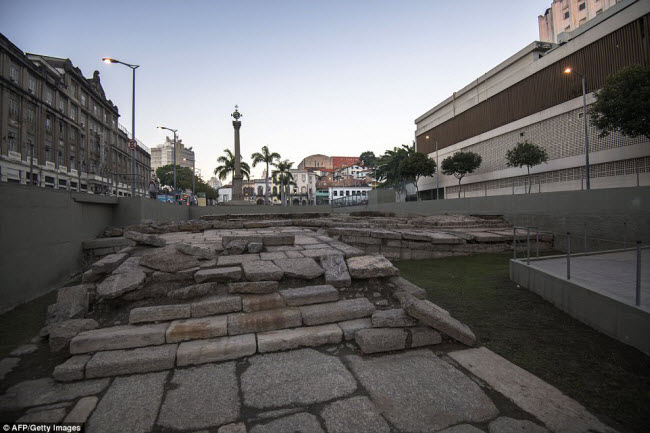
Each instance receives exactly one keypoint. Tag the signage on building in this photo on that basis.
(132, 144)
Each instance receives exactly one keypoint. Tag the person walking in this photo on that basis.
(152, 189)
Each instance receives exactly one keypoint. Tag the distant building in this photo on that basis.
(163, 154)
(567, 15)
(59, 130)
(528, 97)
(324, 162)
(224, 194)
(214, 183)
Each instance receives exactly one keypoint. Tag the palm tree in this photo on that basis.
(283, 177)
(269, 158)
(227, 166)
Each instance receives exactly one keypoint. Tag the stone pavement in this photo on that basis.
(269, 329)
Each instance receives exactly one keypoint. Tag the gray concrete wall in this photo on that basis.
(132, 210)
(41, 232)
(615, 213)
(626, 323)
(198, 212)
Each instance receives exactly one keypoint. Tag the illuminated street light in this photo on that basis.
(569, 70)
(174, 131)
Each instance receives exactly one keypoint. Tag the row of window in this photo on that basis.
(339, 193)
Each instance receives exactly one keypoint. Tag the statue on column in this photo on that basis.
(237, 195)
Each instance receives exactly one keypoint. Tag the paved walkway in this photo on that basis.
(611, 274)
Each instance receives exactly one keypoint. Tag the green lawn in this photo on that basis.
(608, 377)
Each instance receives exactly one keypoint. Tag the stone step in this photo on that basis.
(349, 309)
(118, 337)
(131, 361)
(262, 321)
(308, 336)
(373, 340)
(309, 295)
(215, 350)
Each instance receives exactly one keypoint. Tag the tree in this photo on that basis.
(269, 159)
(460, 164)
(389, 166)
(528, 154)
(165, 175)
(227, 166)
(284, 178)
(415, 166)
(623, 103)
(368, 159)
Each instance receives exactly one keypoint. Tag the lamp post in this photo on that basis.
(109, 60)
(437, 170)
(174, 131)
(570, 70)
(193, 173)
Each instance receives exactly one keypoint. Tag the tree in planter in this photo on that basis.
(368, 159)
(415, 166)
(269, 159)
(528, 154)
(623, 103)
(461, 164)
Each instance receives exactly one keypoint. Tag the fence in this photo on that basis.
(350, 200)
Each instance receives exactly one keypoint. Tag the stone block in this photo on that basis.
(350, 327)
(356, 414)
(310, 336)
(268, 301)
(262, 270)
(305, 268)
(140, 360)
(45, 391)
(434, 316)
(395, 318)
(255, 247)
(402, 284)
(71, 303)
(373, 340)
(385, 234)
(274, 256)
(168, 259)
(237, 259)
(159, 313)
(145, 239)
(278, 239)
(424, 336)
(254, 287)
(198, 290)
(118, 284)
(196, 329)
(371, 267)
(81, 411)
(182, 275)
(336, 311)
(118, 337)
(196, 250)
(310, 295)
(218, 274)
(62, 332)
(213, 305)
(226, 239)
(361, 240)
(261, 321)
(108, 263)
(215, 350)
(72, 369)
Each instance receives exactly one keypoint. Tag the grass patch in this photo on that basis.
(608, 377)
(21, 324)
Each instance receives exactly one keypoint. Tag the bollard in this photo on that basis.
(638, 274)
(568, 256)
(514, 242)
(528, 245)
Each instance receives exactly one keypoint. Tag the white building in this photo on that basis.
(163, 154)
(528, 97)
(355, 171)
(224, 194)
(348, 193)
(567, 15)
(304, 192)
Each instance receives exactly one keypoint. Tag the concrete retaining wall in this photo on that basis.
(614, 213)
(198, 212)
(626, 323)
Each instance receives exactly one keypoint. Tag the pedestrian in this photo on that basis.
(152, 189)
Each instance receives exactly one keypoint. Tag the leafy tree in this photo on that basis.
(389, 166)
(165, 175)
(227, 166)
(267, 158)
(528, 154)
(284, 178)
(368, 159)
(417, 165)
(623, 103)
(460, 164)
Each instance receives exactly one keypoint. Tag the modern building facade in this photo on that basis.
(567, 15)
(58, 129)
(163, 154)
(528, 97)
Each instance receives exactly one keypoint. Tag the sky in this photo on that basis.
(327, 76)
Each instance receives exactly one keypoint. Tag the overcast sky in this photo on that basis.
(331, 77)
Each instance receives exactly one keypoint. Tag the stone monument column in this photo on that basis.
(237, 176)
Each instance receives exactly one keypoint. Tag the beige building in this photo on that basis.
(163, 154)
(59, 130)
(567, 15)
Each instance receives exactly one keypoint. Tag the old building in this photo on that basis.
(528, 97)
(567, 15)
(58, 129)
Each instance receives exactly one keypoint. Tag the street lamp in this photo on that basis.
(174, 131)
(570, 70)
(437, 170)
(108, 61)
(193, 173)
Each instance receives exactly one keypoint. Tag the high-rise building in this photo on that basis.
(567, 15)
(59, 130)
(528, 97)
(163, 154)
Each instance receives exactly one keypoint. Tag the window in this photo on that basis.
(83, 119)
(30, 114)
(73, 136)
(347, 192)
(12, 140)
(105, 118)
(73, 112)
(73, 89)
(566, 15)
(60, 160)
(48, 149)
(96, 110)
(13, 72)
(335, 193)
(13, 106)
(83, 99)
(31, 84)
(48, 96)
(582, 6)
(62, 104)
(48, 123)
